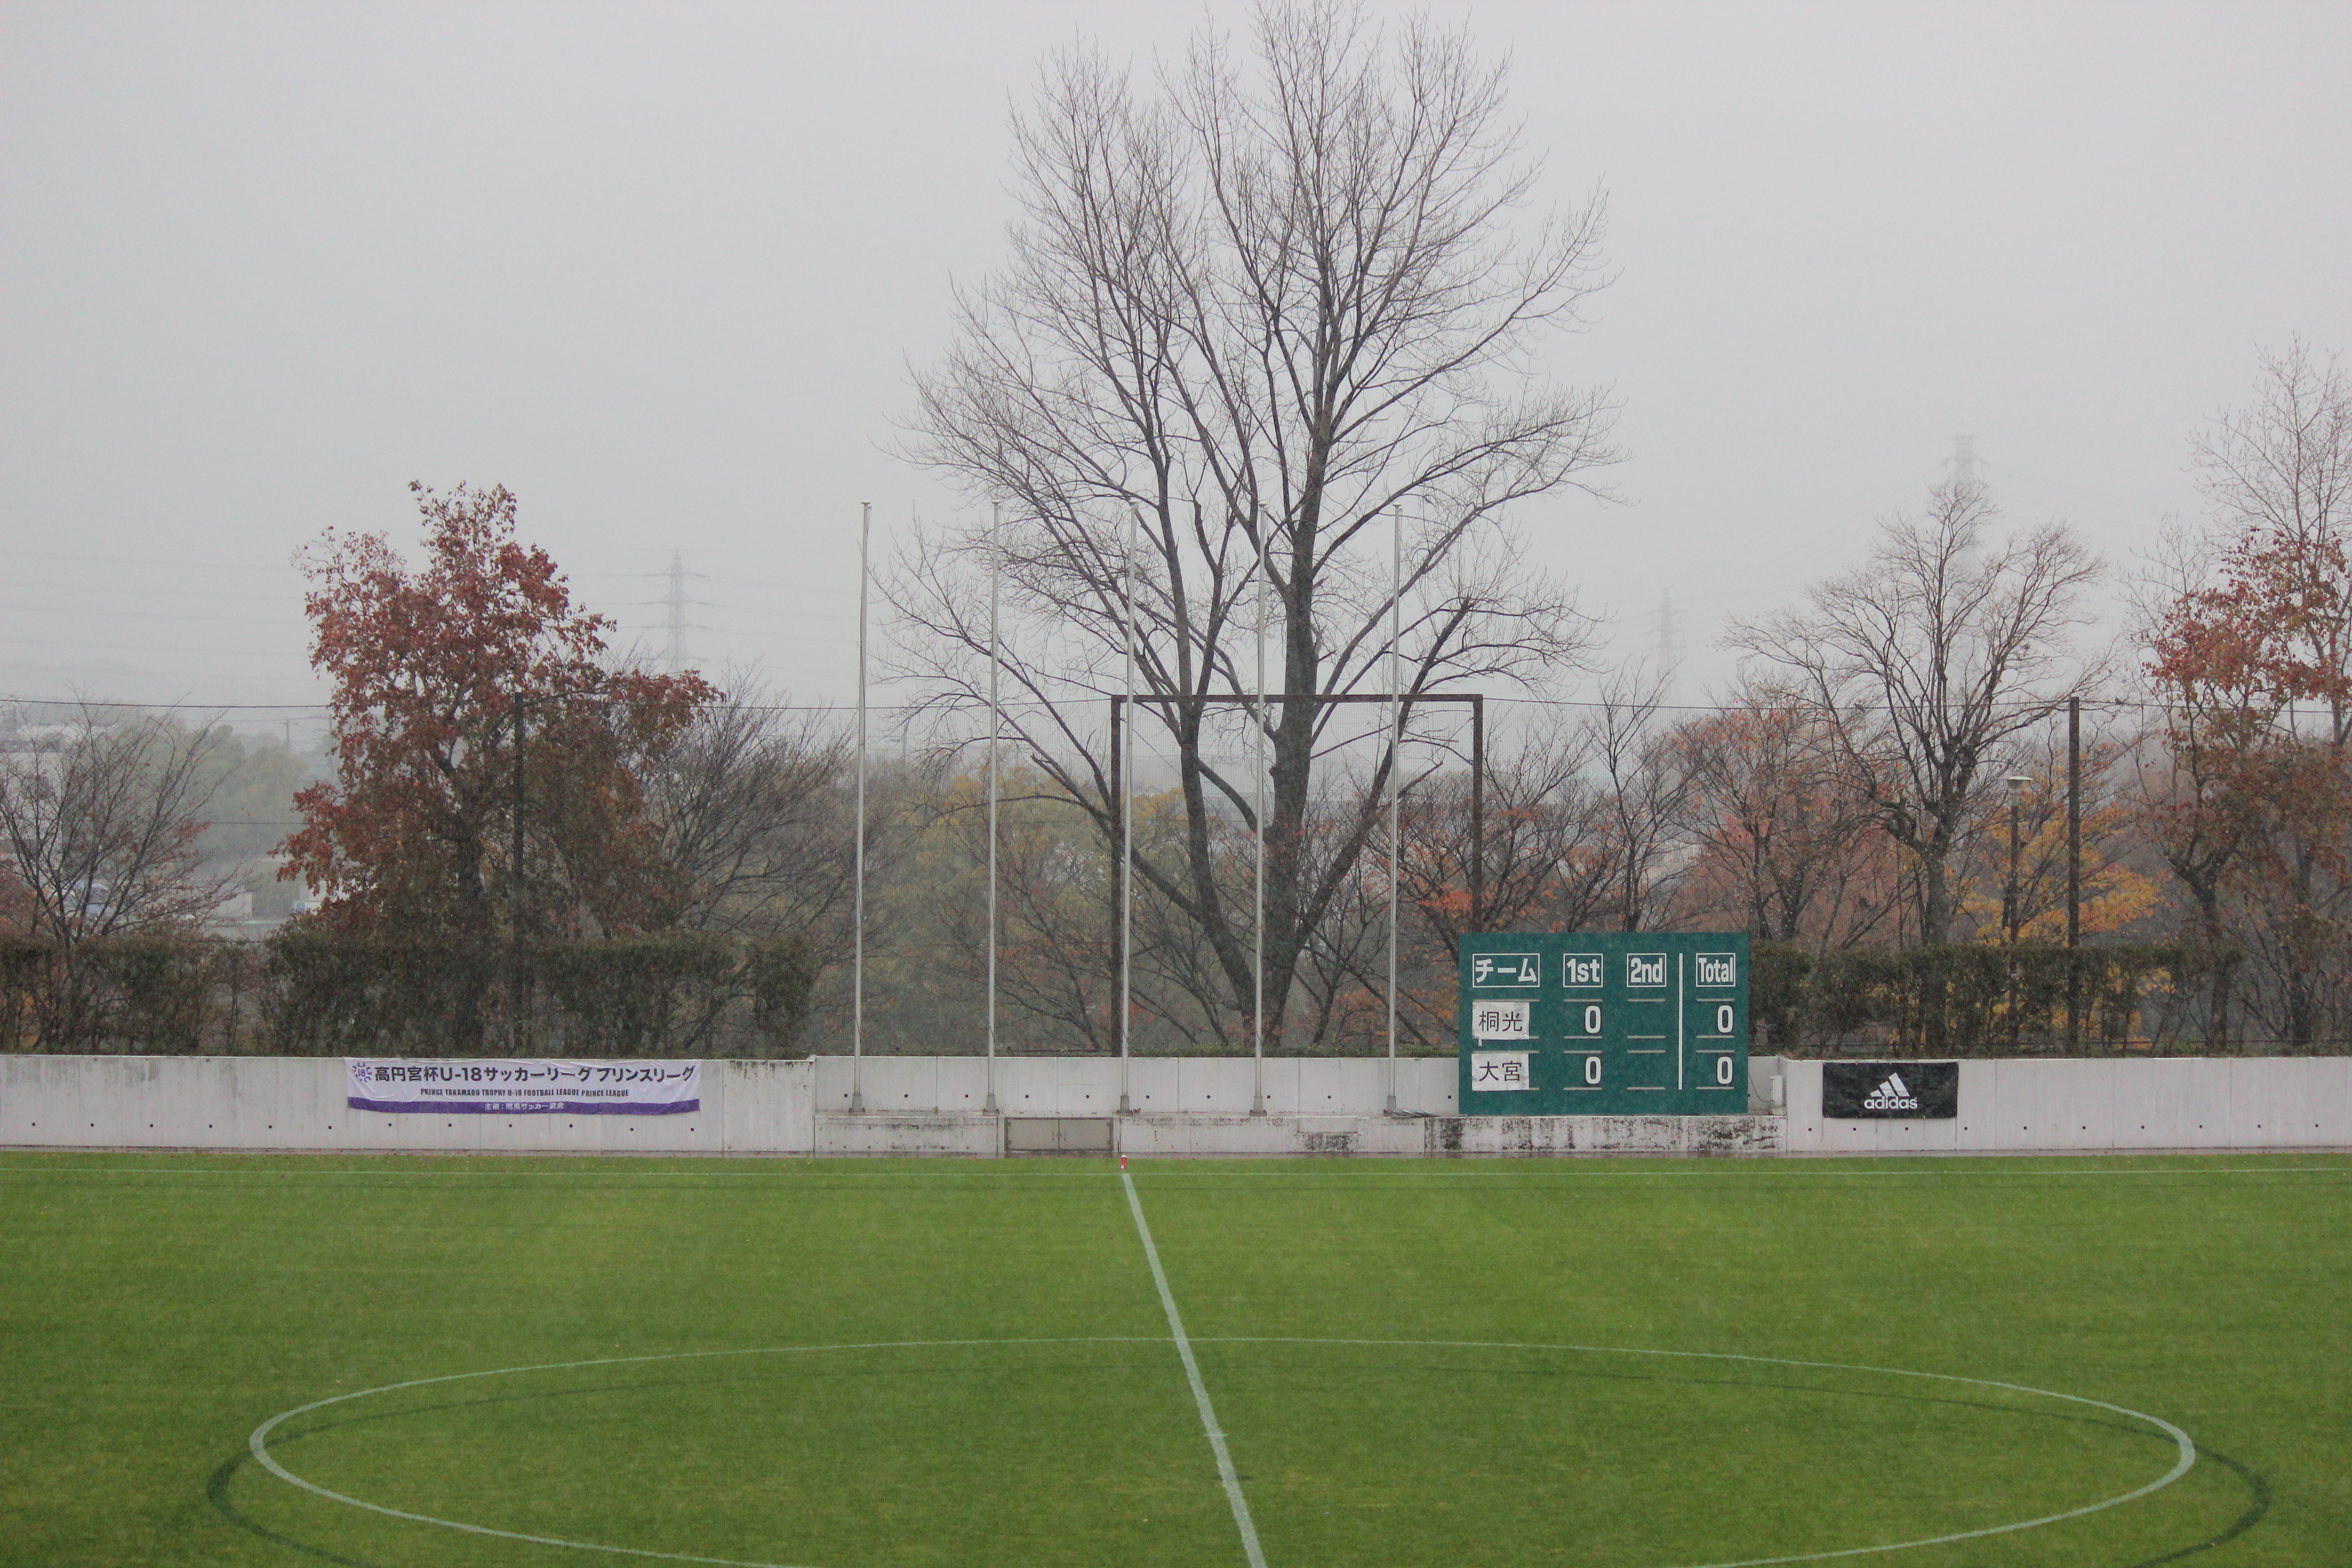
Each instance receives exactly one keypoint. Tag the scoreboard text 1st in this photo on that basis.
(1654, 1023)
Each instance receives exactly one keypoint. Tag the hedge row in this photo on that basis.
(310, 994)
(1970, 1000)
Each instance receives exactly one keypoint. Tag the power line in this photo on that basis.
(1274, 699)
(148, 560)
(145, 615)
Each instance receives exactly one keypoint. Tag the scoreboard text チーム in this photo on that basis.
(1648, 1024)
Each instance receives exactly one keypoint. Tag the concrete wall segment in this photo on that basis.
(1319, 1105)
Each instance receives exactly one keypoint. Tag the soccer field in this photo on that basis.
(1645, 1363)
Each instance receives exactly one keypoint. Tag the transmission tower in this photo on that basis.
(1963, 463)
(1669, 649)
(674, 601)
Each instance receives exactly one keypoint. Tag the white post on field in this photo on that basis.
(1258, 804)
(995, 661)
(857, 941)
(1125, 742)
(1396, 774)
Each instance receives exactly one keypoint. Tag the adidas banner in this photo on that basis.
(1853, 1091)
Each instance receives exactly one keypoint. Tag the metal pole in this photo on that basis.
(995, 659)
(858, 940)
(1125, 742)
(2073, 871)
(1396, 776)
(1257, 926)
(1478, 813)
(514, 915)
(2017, 782)
(2008, 901)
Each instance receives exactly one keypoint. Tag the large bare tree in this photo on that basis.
(1257, 308)
(1931, 662)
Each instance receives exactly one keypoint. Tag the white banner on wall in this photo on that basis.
(509, 1087)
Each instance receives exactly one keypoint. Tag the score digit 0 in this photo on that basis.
(1723, 1018)
(1592, 1019)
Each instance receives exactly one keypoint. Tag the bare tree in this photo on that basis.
(2281, 463)
(1781, 831)
(1642, 782)
(1929, 661)
(1256, 311)
(1546, 867)
(2248, 629)
(99, 816)
(752, 808)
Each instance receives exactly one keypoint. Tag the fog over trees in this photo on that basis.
(1263, 414)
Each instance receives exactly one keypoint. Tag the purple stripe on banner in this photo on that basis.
(529, 1107)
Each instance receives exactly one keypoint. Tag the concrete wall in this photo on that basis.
(1088, 1085)
(298, 1102)
(930, 1105)
(2218, 1102)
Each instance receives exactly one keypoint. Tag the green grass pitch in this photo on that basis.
(970, 1365)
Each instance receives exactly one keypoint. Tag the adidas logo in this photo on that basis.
(1892, 1095)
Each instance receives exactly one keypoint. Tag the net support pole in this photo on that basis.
(995, 662)
(1125, 742)
(1257, 922)
(857, 918)
(1396, 774)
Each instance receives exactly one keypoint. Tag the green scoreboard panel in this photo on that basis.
(1649, 1024)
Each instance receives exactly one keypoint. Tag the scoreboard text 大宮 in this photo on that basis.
(1653, 1023)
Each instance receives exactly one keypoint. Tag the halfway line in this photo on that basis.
(1199, 1390)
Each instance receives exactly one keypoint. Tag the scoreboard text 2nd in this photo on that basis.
(1654, 1023)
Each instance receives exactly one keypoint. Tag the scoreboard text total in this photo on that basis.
(1648, 1023)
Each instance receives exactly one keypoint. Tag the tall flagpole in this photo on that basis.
(1396, 774)
(1125, 742)
(857, 947)
(995, 659)
(1257, 971)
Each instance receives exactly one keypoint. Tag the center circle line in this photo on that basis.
(2186, 1448)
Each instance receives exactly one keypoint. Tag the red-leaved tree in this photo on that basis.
(488, 760)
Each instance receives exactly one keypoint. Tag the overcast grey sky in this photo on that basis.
(662, 269)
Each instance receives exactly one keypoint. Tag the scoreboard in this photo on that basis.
(1647, 1023)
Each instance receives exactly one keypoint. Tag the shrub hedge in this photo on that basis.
(1970, 1000)
(309, 993)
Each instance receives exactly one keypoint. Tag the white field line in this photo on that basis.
(1513, 1169)
(2185, 1449)
(1199, 1390)
(259, 1441)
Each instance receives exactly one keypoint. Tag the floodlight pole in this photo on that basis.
(995, 660)
(1125, 742)
(1396, 749)
(857, 941)
(1258, 806)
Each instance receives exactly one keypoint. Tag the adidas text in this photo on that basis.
(1892, 1095)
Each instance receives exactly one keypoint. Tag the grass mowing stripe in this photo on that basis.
(1199, 1390)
